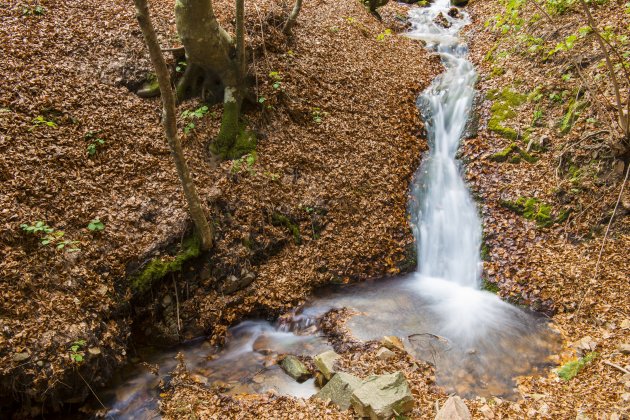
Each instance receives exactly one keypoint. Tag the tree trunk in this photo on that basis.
(209, 46)
(204, 230)
(292, 17)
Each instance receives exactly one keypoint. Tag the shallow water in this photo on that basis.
(477, 342)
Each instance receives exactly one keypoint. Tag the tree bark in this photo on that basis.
(292, 17)
(209, 46)
(206, 233)
(240, 39)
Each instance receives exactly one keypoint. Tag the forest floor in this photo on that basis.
(323, 200)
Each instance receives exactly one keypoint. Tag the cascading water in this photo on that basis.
(477, 342)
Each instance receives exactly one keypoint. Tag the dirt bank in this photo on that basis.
(322, 200)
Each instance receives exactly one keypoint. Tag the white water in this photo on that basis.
(483, 342)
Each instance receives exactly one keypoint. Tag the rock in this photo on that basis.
(325, 363)
(454, 409)
(295, 368)
(459, 3)
(382, 396)
(392, 342)
(339, 390)
(454, 13)
(487, 412)
(20, 357)
(232, 283)
(586, 344)
(624, 348)
(441, 20)
(384, 354)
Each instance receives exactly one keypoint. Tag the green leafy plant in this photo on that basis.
(192, 115)
(38, 10)
(49, 236)
(538, 114)
(383, 35)
(41, 121)
(246, 161)
(571, 369)
(318, 115)
(96, 225)
(181, 66)
(76, 351)
(276, 78)
(95, 142)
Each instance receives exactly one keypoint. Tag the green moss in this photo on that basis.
(161, 266)
(489, 286)
(245, 144)
(485, 252)
(571, 369)
(497, 71)
(503, 109)
(536, 210)
(230, 130)
(513, 154)
(282, 220)
(575, 106)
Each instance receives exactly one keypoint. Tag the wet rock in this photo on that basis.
(428, 347)
(459, 3)
(384, 354)
(295, 368)
(391, 342)
(441, 20)
(339, 389)
(233, 284)
(487, 411)
(454, 409)
(382, 396)
(454, 13)
(325, 363)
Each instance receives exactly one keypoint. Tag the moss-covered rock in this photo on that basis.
(513, 154)
(572, 114)
(159, 267)
(536, 210)
(282, 220)
(503, 109)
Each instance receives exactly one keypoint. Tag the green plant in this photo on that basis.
(76, 351)
(383, 35)
(95, 142)
(33, 11)
(276, 78)
(571, 369)
(318, 115)
(96, 225)
(247, 160)
(181, 66)
(191, 115)
(41, 121)
(49, 236)
(558, 7)
(538, 114)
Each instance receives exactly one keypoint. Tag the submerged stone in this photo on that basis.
(339, 389)
(295, 368)
(392, 342)
(325, 363)
(382, 396)
(454, 409)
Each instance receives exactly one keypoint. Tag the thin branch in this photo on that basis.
(616, 366)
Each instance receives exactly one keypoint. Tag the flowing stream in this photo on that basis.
(477, 342)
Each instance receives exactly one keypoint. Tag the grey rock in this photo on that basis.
(382, 396)
(295, 369)
(624, 348)
(384, 354)
(20, 357)
(454, 409)
(325, 363)
(232, 283)
(339, 389)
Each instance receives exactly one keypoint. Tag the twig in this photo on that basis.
(90, 388)
(616, 366)
(179, 326)
(601, 249)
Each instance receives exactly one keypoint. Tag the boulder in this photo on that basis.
(295, 368)
(441, 20)
(392, 342)
(384, 354)
(382, 396)
(325, 363)
(454, 409)
(339, 390)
